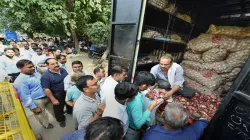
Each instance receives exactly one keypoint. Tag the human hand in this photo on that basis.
(167, 94)
(101, 108)
(55, 102)
(8, 78)
(156, 102)
(36, 110)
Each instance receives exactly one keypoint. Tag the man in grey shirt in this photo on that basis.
(87, 108)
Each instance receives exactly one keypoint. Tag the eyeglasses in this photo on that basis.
(95, 84)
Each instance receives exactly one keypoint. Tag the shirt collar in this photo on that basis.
(159, 128)
(112, 79)
(82, 71)
(28, 76)
(121, 106)
(88, 98)
(60, 72)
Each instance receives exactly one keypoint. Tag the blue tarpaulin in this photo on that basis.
(10, 36)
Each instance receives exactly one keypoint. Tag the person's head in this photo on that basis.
(52, 64)
(105, 128)
(12, 43)
(119, 73)
(25, 45)
(19, 44)
(163, 84)
(74, 77)
(17, 51)
(39, 51)
(144, 79)
(47, 51)
(26, 66)
(57, 52)
(77, 66)
(99, 72)
(34, 46)
(175, 115)
(87, 84)
(166, 62)
(9, 52)
(61, 59)
(126, 91)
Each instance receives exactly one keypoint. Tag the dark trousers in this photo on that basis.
(184, 91)
(14, 76)
(58, 109)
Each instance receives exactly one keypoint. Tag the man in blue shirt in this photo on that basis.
(173, 128)
(28, 86)
(52, 83)
(137, 116)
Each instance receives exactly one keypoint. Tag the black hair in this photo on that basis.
(144, 77)
(98, 69)
(105, 128)
(116, 70)
(34, 43)
(22, 63)
(45, 45)
(58, 57)
(16, 49)
(163, 84)
(46, 61)
(76, 62)
(124, 69)
(7, 49)
(82, 82)
(125, 90)
(39, 49)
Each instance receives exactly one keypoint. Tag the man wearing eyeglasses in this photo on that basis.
(88, 106)
(173, 73)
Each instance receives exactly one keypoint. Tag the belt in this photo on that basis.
(134, 129)
(41, 98)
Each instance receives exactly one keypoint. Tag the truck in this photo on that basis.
(144, 30)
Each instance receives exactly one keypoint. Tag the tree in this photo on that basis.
(63, 17)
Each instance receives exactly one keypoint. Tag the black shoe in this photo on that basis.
(50, 126)
(62, 124)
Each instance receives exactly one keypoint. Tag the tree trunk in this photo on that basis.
(69, 7)
(30, 35)
(75, 38)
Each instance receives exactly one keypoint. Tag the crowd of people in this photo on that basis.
(102, 108)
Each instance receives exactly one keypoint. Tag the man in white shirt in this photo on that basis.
(62, 61)
(76, 67)
(18, 55)
(39, 58)
(26, 50)
(8, 64)
(118, 74)
(99, 74)
(116, 107)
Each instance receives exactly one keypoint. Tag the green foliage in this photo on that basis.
(98, 32)
(57, 16)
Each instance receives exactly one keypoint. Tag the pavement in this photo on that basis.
(50, 134)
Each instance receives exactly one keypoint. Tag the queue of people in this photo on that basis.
(108, 108)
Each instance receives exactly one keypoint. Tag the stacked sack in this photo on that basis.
(213, 61)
